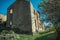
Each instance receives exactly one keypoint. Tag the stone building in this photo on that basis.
(3, 18)
(2, 21)
(39, 24)
(23, 18)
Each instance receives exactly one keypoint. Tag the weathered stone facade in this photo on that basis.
(39, 25)
(21, 16)
(2, 21)
(3, 18)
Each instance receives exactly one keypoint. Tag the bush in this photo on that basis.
(8, 35)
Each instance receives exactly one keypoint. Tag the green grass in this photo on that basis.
(47, 36)
(43, 35)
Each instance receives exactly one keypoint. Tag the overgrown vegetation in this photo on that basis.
(52, 9)
(11, 35)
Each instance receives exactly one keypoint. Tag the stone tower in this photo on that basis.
(21, 17)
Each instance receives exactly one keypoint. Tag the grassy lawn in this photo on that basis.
(43, 35)
(47, 36)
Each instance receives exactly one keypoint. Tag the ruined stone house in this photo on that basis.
(2, 21)
(3, 18)
(22, 17)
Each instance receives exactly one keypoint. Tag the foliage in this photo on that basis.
(52, 9)
(8, 35)
(11, 35)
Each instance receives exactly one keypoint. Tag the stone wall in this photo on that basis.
(20, 17)
(23, 18)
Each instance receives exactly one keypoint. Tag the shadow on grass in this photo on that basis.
(47, 36)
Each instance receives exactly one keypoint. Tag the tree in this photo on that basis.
(52, 9)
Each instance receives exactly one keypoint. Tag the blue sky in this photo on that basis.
(4, 4)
